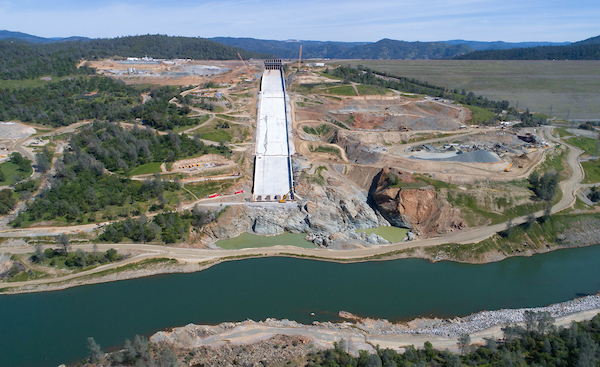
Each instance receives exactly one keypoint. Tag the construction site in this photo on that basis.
(311, 154)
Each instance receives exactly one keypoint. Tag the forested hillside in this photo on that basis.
(383, 49)
(538, 344)
(123, 150)
(584, 50)
(97, 97)
(392, 49)
(19, 61)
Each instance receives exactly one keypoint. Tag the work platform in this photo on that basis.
(273, 177)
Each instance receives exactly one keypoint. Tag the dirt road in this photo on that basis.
(191, 255)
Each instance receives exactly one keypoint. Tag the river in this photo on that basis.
(49, 328)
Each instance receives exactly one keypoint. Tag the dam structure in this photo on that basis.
(273, 177)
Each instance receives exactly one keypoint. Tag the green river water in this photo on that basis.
(49, 328)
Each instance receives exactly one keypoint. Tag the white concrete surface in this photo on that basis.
(272, 169)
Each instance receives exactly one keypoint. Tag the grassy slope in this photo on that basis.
(147, 168)
(10, 170)
(565, 85)
(520, 239)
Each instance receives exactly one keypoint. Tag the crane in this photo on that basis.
(286, 195)
(300, 58)
(507, 169)
(243, 62)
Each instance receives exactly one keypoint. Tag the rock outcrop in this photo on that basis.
(328, 214)
(414, 205)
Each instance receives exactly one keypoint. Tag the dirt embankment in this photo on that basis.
(277, 341)
(418, 208)
(356, 150)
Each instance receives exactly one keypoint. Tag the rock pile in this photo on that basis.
(486, 319)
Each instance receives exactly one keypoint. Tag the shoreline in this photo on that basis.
(366, 333)
(191, 264)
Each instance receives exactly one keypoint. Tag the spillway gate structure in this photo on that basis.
(273, 176)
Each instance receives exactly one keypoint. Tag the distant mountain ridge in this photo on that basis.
(19, 36)
(589, 41)
(588, 49)
(383, 49)
(501, 45)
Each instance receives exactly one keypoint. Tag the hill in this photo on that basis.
(500, 45)
(383, 49)
(589, 41)
(25, 61)
(28, 38)
(584, 50)
(392, 49)
(290, 49)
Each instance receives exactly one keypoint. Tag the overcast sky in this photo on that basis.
(335, 20)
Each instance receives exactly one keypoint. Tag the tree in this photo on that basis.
(7, 201)
(38, 255)
(373, 361)
(544, 321)
(23, 163)
(168, 358)
(530, 220)
(64, 243)
(529, 318)
(463, 343)
(44, 160)
(509, 332)
(94, 350)
(509, 227)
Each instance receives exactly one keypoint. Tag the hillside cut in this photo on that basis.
(414, 204)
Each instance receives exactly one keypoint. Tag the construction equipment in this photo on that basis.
(507, 169)
(286, 195)
(300, 58)
(243, 62)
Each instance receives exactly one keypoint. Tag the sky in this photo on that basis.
(334, 20)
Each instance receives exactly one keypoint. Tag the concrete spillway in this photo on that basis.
(272, 168)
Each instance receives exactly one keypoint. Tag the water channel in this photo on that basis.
(49, 328)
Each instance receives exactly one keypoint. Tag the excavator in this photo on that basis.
(507, 169)
(286, 195)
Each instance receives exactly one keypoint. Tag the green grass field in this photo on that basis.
(592, 171)
(479, 114)
(206, 188)
(569, 88)
(200, 120)
(342, 90)
(145, 169)
(561, 132)
(366, 90)
(29, 83)
(11, 174)
(211, 132)
(587, 144)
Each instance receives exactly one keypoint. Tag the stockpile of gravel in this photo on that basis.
(476, 156)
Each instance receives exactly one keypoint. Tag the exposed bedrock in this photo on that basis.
(419, 208)
(328, 214)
